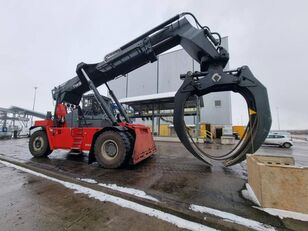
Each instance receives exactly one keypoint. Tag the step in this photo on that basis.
(78, 138)
(76, 148)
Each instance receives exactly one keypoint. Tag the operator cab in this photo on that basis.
(89, 113)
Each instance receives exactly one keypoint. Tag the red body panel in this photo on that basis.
(81, 138)
(144, 143)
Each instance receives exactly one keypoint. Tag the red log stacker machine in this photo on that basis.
(113, 142)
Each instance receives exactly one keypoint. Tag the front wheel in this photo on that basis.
(112, 149)
(39, 145)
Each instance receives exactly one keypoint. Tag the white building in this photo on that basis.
(164, 76)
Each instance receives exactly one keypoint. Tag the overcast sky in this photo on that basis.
(41, 42)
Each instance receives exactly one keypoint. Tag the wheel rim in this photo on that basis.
(109, 149)
(38, 143)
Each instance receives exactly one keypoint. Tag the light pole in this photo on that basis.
(34, 99)
(278, 121)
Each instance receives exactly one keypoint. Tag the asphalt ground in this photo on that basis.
(32, 203)
(173, 176)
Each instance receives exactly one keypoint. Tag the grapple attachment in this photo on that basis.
(241, 81)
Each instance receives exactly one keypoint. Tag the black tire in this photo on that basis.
(287, 145)
(131, 139)
(112, 149)
(39, 145)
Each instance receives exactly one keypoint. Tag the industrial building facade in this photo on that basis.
(164, 76)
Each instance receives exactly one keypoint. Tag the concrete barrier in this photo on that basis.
(278, 183)
(227, 140)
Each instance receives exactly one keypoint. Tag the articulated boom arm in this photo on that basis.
(202, 46)
(143, 50)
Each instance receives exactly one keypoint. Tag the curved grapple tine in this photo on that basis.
(215, 80)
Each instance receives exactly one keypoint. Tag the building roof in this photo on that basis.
(159, 101)
(164, 95)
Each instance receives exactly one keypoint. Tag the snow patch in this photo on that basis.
(88, 180)
(179, 222)
(250, 195)
(131, 191)
(284, 213)
(232, 218)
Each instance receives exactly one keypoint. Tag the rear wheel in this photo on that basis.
(38, 144)
(287, 145)
(112, 149)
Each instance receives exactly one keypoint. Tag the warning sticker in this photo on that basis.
(252, 112)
